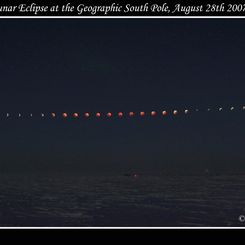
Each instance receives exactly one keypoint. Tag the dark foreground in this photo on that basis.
(122, 201)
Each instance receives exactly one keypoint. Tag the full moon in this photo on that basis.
(120, 114)
(175, 112)
(64, 115)
(109, 114)
(86, 114)
(153, 113)
(75, 115)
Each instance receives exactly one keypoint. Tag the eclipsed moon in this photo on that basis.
(120, 114)
(153, 113)
(64, 115)
(109, 114)
(75, 115)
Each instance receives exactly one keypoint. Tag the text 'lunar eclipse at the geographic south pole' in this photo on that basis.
(121, 114)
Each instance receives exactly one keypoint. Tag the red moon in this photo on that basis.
(64, 114)
(164, 113)
(120, 114)
(75, 115)
(98, 114)
(153, 113)
(86, 114)
(142, 113)
(175, 112)
(109, 114)
(131, 113)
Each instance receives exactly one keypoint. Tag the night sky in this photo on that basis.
(79, 65)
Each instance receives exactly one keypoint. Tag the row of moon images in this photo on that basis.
(118, 114)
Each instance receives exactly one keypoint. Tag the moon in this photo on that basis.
(120, 114)
(153, 113)
(75, 115)
(86, 114)
(64, 115)
(109, 114)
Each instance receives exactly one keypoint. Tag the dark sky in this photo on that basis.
(122, 65)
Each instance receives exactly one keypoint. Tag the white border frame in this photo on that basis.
(123, 17)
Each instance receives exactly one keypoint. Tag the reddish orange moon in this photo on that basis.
(175, 112)
(86, 114)
(64, 114)
(153, 113)
(109, 114)
(75, 115)
(97, 114)
(120, 114)
(142, 113)
(53, 114)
